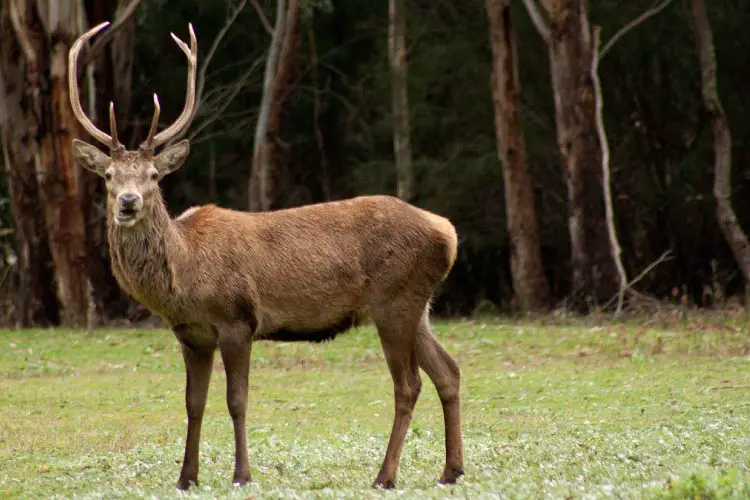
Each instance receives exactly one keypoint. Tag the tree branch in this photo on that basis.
(631, 25)
(263, 18)
(226, 99)
(629, 287)
(606, 182)
(215, 45)
(121, 17)
(204, 68)
(663, 258)
(541, 24)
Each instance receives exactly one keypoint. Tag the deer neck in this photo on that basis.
(144, 256)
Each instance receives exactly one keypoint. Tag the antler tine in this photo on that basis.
(149, 144)
(187, 112)
(113, 126)
(75, 99)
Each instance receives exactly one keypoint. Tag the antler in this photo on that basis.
(113, 125)
(186, 116)
(75, 99)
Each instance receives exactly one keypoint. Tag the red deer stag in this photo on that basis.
(223, 278)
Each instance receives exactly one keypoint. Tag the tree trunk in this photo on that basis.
(260, 186)
(397, 58)
(594, 273)
(43, 32)
(730, 226)
(36, 303)
(283, 85)
(325, 178)
(529, 282)
(60, 190)
(112, 72)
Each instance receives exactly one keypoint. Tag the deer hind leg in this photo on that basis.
(397, 338)
(235, 344)
(198, 366)
(444, 373)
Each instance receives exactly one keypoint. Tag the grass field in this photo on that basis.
(551, 410)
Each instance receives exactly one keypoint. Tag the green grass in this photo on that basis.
(551, 410)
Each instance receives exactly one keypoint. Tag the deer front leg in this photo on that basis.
(235, 344)
(198, 365)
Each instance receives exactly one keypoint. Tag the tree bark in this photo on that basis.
(43, 31)
(397, 58)
(529, 283)
(730, 226)
(36, 303)
(260, 186)
(594, 273)
(283, 86)
(59, 178)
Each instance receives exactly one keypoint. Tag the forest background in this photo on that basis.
(591, 156)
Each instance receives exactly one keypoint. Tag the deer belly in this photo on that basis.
(315, 327)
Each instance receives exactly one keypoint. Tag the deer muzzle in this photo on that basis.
(129, 205)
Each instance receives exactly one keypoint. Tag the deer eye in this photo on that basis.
(108, 176)
(154, 176)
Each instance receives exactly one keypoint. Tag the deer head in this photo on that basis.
(132, 177)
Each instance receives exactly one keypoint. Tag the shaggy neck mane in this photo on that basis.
(144, 256)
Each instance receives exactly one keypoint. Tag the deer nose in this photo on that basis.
(128, 200)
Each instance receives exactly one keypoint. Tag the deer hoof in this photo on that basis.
(242, 479)
(385, 483)
(451, 475)
(185, 482)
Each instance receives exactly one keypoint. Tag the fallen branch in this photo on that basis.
(666, 256)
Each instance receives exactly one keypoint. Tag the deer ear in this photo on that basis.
(90, 157)
(172, 158)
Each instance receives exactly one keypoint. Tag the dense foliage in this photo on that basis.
(337, 137)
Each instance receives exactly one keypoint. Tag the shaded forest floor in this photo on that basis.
(552, 409)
